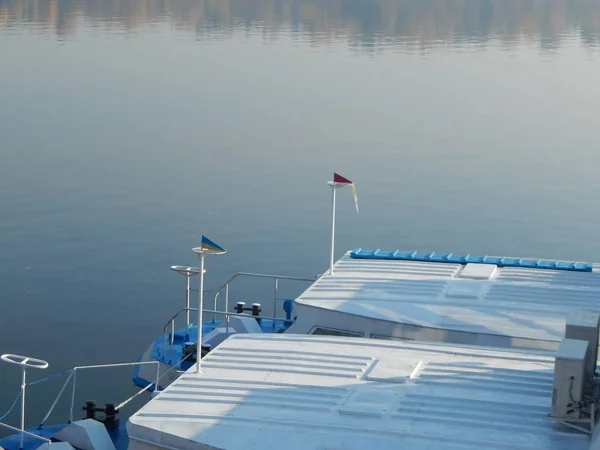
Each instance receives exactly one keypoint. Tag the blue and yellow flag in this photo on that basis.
(207, 244)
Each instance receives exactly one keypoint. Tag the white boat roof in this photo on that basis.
(304, 392)
(524, 302)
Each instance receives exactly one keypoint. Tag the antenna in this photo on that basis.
(188, 272)
(207, 247)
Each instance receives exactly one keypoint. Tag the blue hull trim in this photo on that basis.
(12, 442)
(501, 261)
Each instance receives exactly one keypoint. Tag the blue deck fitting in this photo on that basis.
(501, 261)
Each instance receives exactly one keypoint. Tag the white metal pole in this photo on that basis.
(333, 187)
(73, 395)
(200, 305)
(187, 303)
(23, 388)
(227, 309)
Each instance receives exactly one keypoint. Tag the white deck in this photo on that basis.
(327, 393)
(529, 304)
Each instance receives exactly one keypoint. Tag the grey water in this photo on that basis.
(128, 128)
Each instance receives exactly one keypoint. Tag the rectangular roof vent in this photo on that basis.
(392, 371)
(478, 271)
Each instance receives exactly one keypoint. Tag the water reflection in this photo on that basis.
(363, 23)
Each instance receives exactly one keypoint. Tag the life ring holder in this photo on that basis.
(24, 361)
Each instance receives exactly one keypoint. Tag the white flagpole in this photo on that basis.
(200, 307)
(333, 188)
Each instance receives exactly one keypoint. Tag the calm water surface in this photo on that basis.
(128, 128)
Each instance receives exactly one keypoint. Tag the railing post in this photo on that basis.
(73, 395)
(157, 376)
(56, 399)
(215, 305)
(275, 299)
(187, 304)
(227, 297)
(23, 389)
(200, 306)
(172, 339)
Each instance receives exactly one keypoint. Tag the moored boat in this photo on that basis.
(455, 298)
(313, 392)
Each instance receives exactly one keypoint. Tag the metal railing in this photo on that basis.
(32, 363)
(225, 312)
(73, 376)
(275, 278)
(97, 366)
(169, 338)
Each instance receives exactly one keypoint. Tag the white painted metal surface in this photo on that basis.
(470, 304)
(86, 434)
(314, 392)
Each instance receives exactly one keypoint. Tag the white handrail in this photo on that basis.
(229, 313)
(104, 366)
(225, 286)
(73, 373)
(123, 403)
(257, 275)
(169, 324)
(168, 343)
(219, 289)
(73, 376)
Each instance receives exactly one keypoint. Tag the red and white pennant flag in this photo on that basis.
(341, 181)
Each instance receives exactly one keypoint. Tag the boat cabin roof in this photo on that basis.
(334, 393)
(528, 299)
